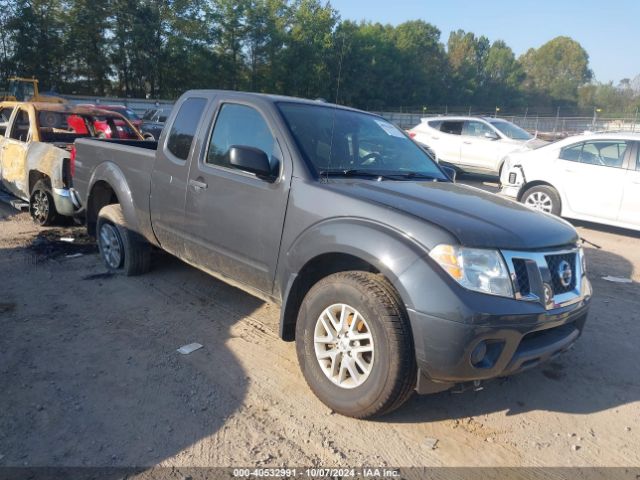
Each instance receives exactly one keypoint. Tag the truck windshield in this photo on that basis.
(338, 141)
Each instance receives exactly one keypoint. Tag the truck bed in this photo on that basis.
(134, 159)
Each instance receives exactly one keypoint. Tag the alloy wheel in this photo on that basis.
(344, 345)
(110, 246)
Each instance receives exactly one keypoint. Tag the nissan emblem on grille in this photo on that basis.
(565, 274)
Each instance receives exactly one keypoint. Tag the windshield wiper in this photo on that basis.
(419, 175)
(354, 172)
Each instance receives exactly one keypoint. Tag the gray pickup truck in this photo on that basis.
(391, 278)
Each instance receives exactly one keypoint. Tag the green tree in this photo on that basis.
(86, 46)
(37, 40)
(503, 75)
(267, 25)
(419, 49)
(6, 45)
(467, 56)
(229, 37)
(556, 69)
(309, 55)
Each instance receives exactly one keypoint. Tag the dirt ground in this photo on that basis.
(90, 376)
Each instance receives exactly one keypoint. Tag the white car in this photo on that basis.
(472, 144)
(592, 177)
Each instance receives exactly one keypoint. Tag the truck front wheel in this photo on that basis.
(119, 247)
(354, 344)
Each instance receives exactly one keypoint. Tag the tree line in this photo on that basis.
(160, 48)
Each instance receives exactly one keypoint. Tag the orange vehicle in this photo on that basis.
(26, 90)
(37, 153)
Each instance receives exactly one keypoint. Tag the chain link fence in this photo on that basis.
(542, 122)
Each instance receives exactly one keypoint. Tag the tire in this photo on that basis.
(384, 365)
(41, 205)
(120, 248)
(542, 197)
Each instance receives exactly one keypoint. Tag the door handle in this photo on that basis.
(435, 138)
(197, 184)
(467, 143)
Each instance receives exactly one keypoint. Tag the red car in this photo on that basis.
(125, 112)
(123, 126)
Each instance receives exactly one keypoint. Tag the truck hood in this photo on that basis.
(475, 217)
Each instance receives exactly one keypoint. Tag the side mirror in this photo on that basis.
(450, 172)
(250, 159)
(491, 136)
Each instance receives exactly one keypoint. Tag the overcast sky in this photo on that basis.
(608, 30)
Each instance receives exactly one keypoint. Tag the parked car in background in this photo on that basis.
(153, 121)
(473, 144)
(125, 127)
(593, 177)
(126, 112)
(391, 277)
(37, 152)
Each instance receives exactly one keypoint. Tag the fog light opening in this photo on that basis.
(478, 354)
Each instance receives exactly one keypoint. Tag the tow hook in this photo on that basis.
(476, 386)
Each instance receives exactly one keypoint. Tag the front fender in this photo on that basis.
(390, 251)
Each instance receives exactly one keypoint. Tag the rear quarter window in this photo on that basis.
(184, 127)
(436, 124)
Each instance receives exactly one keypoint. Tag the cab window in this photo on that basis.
(5, 114)
(21, 127)
(452, 127)
(184, 127)
(238, 125)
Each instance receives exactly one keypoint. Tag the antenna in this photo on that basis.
(335, 107)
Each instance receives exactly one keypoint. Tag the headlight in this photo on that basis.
(476, 269)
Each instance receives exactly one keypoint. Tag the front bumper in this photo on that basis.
(449, 352)
(511, 181)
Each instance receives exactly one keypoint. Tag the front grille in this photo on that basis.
(522, 277)
(536, 276)
(554, 261)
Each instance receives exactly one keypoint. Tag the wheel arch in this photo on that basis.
(35, 176)
(108, 185)
(337, 246)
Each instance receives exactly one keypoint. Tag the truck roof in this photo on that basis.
(276, 98)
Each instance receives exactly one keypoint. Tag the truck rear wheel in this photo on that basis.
(41, 205)
(120, 248)
(354, 344)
